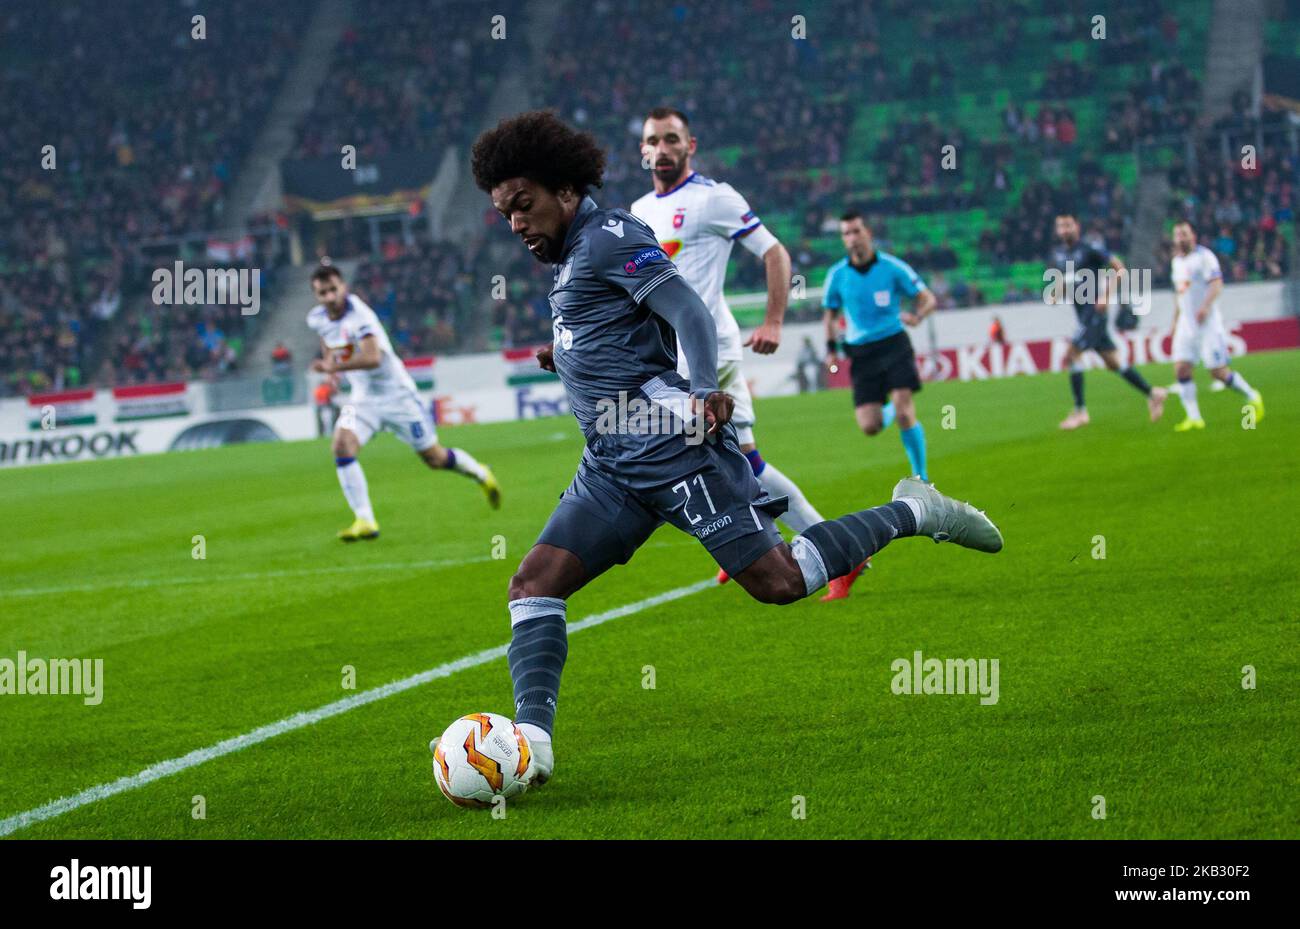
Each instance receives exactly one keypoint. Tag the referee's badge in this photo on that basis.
(882, 297)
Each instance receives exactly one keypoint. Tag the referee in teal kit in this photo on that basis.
(866, 287)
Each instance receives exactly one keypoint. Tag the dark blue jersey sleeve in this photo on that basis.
(623, 252)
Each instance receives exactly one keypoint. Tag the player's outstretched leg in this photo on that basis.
(461, 461)
(1079, 415)
(1156, 396)
(539, 644)
(800, 516)
(1230, 378)
(356, 491)
(1186, 390)
(837, 546)
(800, 513)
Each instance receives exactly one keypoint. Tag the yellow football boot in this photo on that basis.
(491, 489)
(360, 529)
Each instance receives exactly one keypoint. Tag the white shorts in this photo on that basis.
(403, 415)
(1207, 344)
(732, 379)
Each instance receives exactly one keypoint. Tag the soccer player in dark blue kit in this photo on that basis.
(619, 309)
(1074, 258)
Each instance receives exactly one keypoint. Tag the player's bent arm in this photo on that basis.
(776, 261)
(767, 338)
(676, 302)
(1212, 293)
(323, 364)
(366, 358)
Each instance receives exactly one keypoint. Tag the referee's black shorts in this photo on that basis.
(879, 367)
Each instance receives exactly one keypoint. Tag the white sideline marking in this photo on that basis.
(311, 717)
(233, 578)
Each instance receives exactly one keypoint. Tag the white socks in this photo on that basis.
(534, 733)
(466, 463)
(801, 513)
(1238, 383)
(1186, 391)
(915, 505)
(810, 563)
(353, 481)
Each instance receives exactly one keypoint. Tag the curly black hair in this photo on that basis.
(539, 146)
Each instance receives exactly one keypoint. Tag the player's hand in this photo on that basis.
(718, 407)
(323, 365)
(909, 319)
(1202, 315)
(765, 339)
(546, 357)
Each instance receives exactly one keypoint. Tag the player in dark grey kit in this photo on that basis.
(1075, 258)
(619, 308)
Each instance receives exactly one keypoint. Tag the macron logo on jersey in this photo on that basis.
(644, 257)
(614, 226)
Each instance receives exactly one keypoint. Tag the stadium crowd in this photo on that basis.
(161, 123)
(136, 124)
(398, 83)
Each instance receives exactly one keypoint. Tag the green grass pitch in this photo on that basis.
(1119, 677)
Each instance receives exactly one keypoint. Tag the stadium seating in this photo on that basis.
(847, 103)
(148, 125)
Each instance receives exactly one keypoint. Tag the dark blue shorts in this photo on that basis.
(718, 500)
(1092, 333)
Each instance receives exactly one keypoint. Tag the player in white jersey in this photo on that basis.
(383, 396)
(697, 220)
(1199, 333)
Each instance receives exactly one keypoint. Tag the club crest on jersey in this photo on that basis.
(564, 272)
(678, 218)
(644, 257)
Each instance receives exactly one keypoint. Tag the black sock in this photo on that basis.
(846, 542)
(1076, 387)
(1137, 380)
(539, 644)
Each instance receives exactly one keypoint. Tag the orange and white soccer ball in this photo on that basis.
(482, 756)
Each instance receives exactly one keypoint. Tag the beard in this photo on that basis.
(549, 253)
(668, 173)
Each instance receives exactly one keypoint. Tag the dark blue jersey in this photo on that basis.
(606, 340)
(1072, 259)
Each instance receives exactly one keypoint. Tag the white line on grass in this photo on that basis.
(233, 578)
(309, 718)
